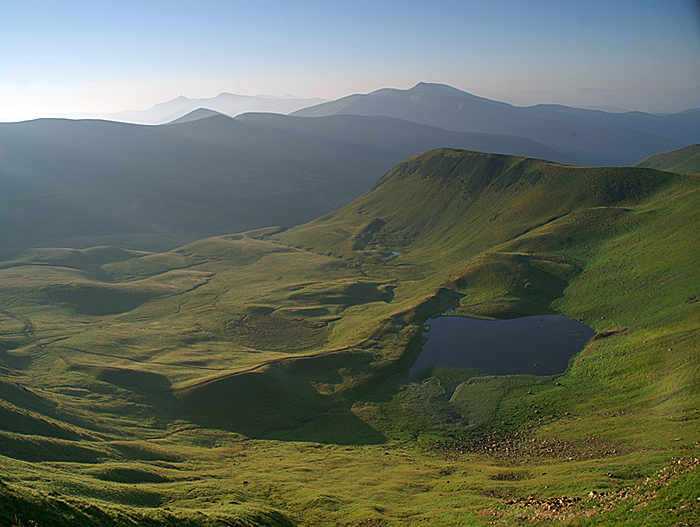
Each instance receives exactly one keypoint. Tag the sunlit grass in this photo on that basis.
(240, 376)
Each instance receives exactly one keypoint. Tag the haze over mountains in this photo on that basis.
(590, 137)
(81, 183)
(637, 97)
(217, 310)
(142, 358)
(84, 182)
(226, 103)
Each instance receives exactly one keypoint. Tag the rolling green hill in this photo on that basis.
(83, 183)
(260, 378)
(684, 160)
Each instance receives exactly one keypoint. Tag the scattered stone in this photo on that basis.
(568, 509)
(518, 446)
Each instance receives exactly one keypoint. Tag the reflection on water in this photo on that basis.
(539, 345)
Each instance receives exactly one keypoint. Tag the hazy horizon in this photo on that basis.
(80, 57)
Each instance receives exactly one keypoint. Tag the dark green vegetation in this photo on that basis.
(86, 183)
(259, 378)
(588, 137)
(684, 160)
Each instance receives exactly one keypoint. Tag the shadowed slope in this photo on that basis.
(82, 183)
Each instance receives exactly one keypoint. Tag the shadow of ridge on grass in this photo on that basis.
(136, 379)
(274, 403)
(338, 427)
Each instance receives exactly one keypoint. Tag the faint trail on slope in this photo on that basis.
(175, 365)
(29, 330)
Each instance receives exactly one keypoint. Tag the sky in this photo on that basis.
(66, 57)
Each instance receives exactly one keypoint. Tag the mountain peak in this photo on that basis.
(195, 115)
(445, 90)
(436, 86)
(438, 89)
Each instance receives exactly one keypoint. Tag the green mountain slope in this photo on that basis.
(684, 160)
(587, 137)
(82, 183)
(261, 377)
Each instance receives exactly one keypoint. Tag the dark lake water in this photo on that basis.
(539, 345)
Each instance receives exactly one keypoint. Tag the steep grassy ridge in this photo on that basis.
(684, 160)
(260, 377)
(612, 247)
(82, 183)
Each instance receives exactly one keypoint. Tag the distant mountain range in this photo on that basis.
(581, 136)
(639, 97)
(226, 103)
(589, 137)
(87, 182)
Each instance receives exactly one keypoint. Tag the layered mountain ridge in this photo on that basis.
(82, 183)
(230, 104)
(591, 137)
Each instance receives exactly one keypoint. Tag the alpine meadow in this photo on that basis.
(213, 314)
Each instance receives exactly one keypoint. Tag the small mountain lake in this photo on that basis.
(537, 345)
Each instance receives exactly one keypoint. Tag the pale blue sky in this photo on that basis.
(68, 56)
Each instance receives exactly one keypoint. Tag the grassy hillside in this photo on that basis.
(83, 183)
(260, 378)
(684, 160)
